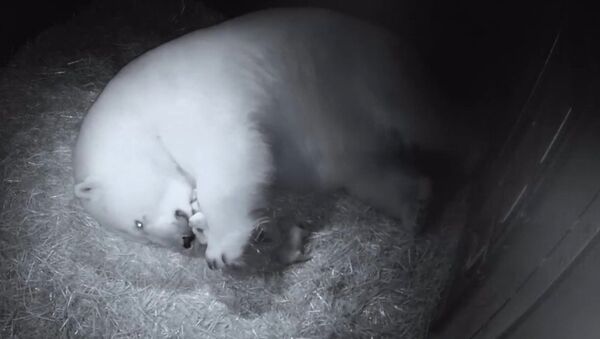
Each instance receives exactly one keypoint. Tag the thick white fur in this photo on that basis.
(307, 97)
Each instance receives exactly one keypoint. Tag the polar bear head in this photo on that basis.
(141, 203)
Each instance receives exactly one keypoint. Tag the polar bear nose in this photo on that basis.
(183, 222)
(187, 240)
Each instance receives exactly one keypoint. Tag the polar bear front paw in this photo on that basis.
(226, 251)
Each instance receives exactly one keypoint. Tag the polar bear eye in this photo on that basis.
(139, 224)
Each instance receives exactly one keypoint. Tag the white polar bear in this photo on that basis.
(300, 97)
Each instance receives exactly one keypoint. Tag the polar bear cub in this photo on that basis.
(303, 98)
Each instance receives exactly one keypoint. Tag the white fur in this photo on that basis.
(304, 96)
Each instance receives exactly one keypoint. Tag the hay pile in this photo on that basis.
(63, 276)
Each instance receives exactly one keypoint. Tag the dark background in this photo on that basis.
(22, 21)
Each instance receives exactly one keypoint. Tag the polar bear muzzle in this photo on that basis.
(187, 240)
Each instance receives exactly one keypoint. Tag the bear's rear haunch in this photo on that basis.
(298, 97)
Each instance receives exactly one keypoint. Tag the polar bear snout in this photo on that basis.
(187, 240)
(183, 225)
(187, 237)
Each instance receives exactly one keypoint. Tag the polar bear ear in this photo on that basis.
(87, 188)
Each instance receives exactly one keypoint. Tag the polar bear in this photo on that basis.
(303, 98)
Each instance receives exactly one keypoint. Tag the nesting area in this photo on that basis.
(61, 275)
